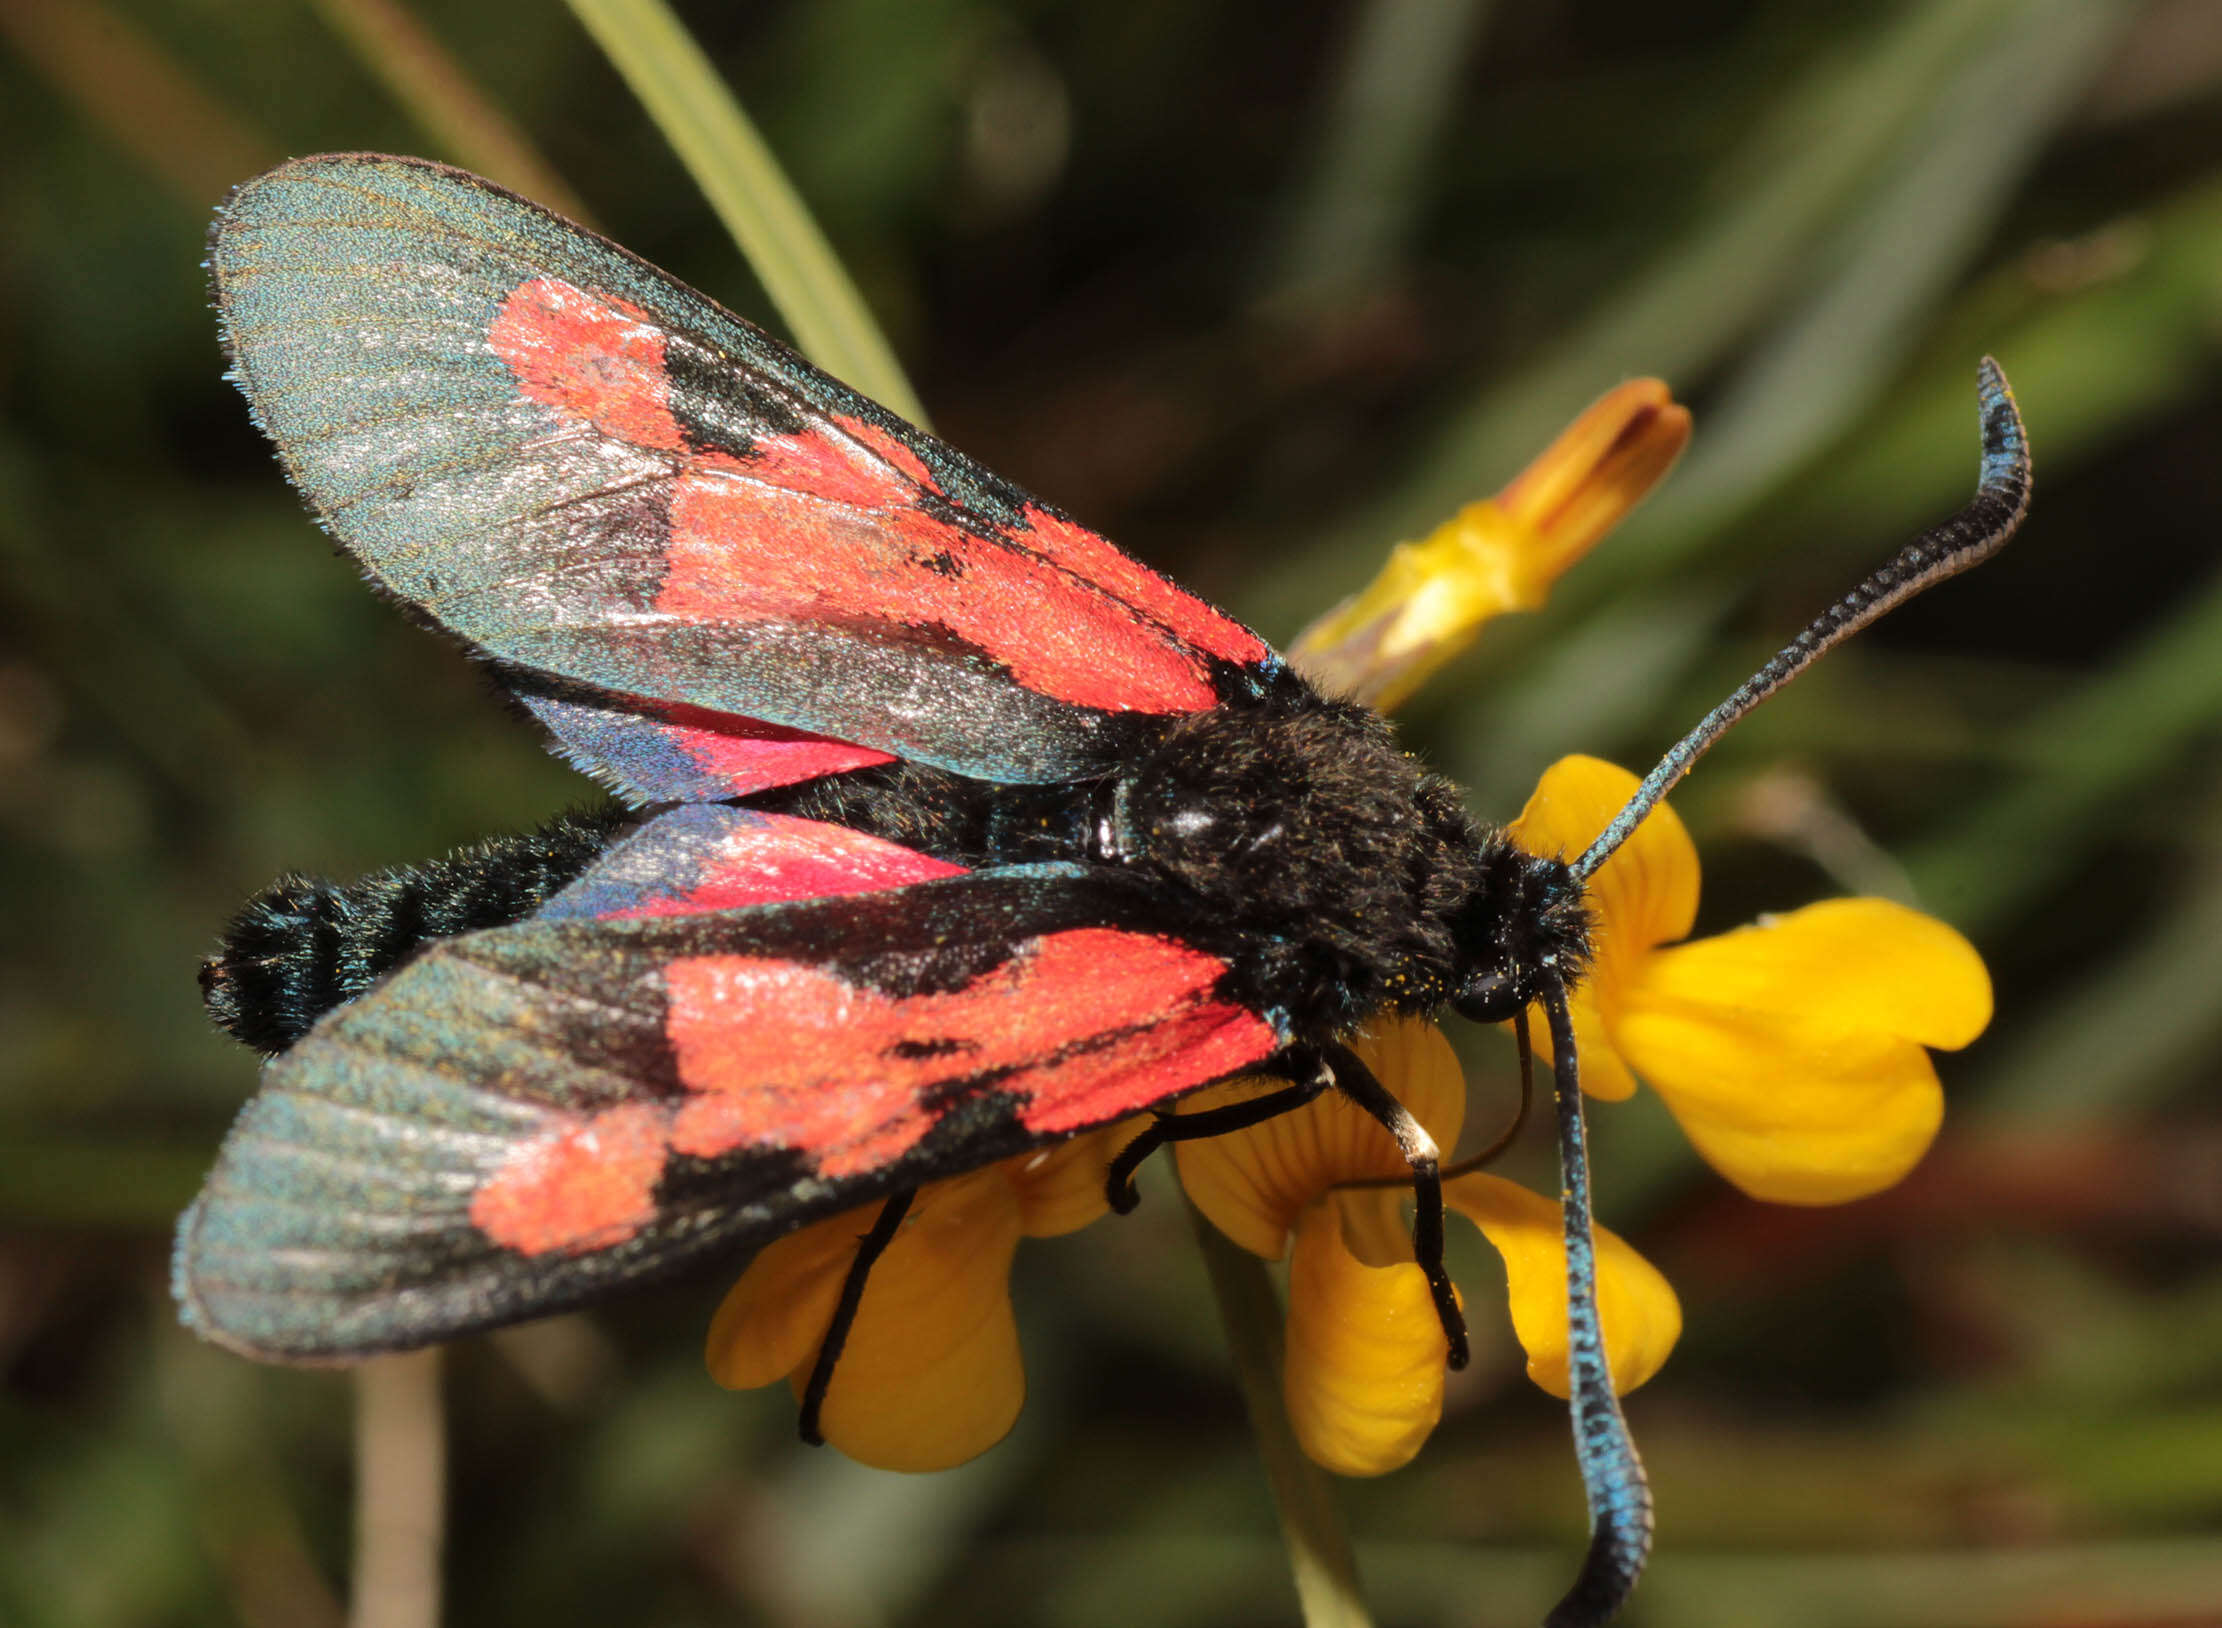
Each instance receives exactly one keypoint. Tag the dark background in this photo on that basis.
(1257, 288)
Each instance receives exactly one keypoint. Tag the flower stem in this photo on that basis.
(400, 1492)
(1325, 1571)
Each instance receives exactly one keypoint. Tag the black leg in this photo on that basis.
(869, 1250)
(1511, 1133)
(1356, 1082)
(1239, 1116)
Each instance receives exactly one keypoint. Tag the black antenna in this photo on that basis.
(1968, 538)
(1612, 1475)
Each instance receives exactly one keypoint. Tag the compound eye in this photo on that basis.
(1490, 997)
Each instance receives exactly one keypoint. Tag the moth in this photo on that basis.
(946, 830)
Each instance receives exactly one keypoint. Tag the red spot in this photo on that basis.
(595, 358)
(587, 1184)
(892, 449)
(789, 858)
(1080, 550)
(1206, 1043)
(852, 469)
(1084, 1026)
(746, 553)
(751, 755)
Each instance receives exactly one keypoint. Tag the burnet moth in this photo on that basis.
(948, 829)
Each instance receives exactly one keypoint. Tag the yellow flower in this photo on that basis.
(1363, 1378)
(1791, 1051)
(1501, 554)
(931, 1375)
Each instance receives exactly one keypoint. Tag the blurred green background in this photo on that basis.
(1259, 288)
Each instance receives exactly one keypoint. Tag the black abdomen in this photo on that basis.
(304, 945)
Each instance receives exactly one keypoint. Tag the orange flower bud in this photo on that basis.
(1501, 554)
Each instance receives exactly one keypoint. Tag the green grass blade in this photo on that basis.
(745, 185)
(1401, 75)
(2097, 750)
(1896, 259)
(2129, 1037)
(446, 103)
(1319, 1553)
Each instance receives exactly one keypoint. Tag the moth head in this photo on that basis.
(1525, 924)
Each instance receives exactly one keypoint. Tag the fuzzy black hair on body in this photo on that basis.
(304, 945)
(1337, 876)
(1332, 872)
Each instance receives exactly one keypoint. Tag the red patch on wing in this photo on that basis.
(596, 358)
(1084, 1025)
(1095, 557)
(748, 754)
(824, 526)
(668, 752)
(743, 553)
(892, 449)
(861, 466)
(776, 857)
(1144, 1066)
(587, 1184)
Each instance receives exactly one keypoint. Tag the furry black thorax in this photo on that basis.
(1334, 873)
(1291, 836)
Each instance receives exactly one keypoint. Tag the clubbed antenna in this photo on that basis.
(1968, 538)
(1612, 1474)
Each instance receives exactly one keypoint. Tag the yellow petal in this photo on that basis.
(1862, 964)
(1363, 1378)
(774, 1317)
(1635, 1304)
(931, 1374)
(1604, 1074)
(1646, 894)
(1253, 1183)
(1060, 1188)
(1791, 1051)
(1792, 1112)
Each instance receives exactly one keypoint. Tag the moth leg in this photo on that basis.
(1511, 1133)
(872, 1246)
(1356, 1081)
(1165, 1127)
